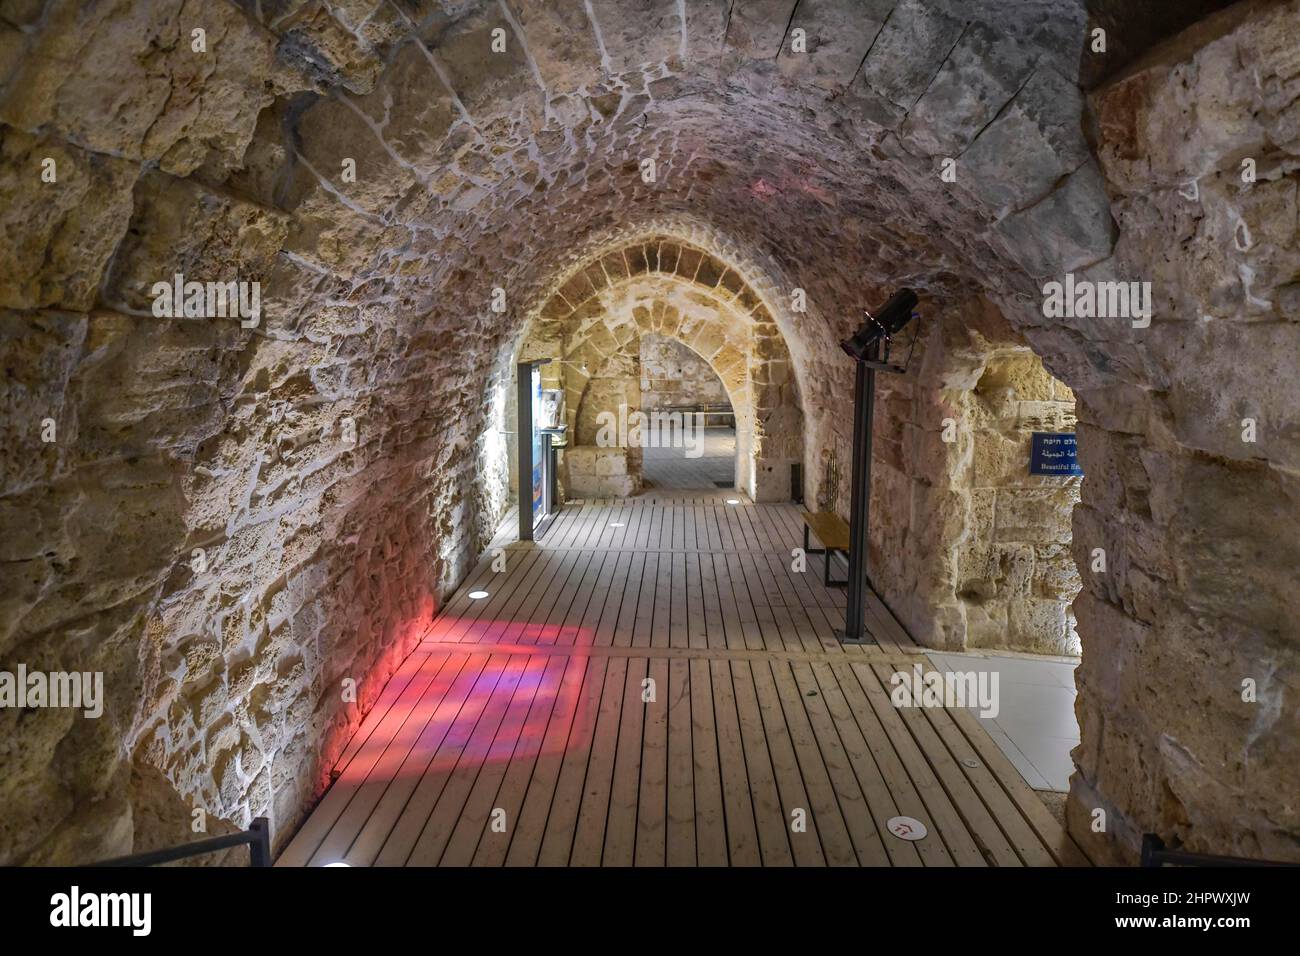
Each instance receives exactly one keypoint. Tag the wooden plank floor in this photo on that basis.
(652, 684)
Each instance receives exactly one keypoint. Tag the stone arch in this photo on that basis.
(475, 173)
(663, 285)
(718, 342)
(968, 548)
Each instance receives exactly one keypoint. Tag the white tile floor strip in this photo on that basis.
(1035, 726)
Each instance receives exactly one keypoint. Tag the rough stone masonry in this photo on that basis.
(245, 528)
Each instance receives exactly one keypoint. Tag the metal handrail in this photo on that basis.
(257, 836)
(1155, 854)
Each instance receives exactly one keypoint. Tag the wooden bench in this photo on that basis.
(717, 409)
(833, 532)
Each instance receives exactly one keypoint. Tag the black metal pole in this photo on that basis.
(259, 851)
(524, 432)
(864, 400)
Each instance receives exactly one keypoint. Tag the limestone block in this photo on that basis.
(1136, 761)
(706, 27)
(982, 73)
(1069, 229)
(578, 289)
(60, 235)
(688, 263)
(1038, 626)
(638, 33)
(121, 78)
(560, 41)
(1015, 570)
(838, 37)
(412, 113)
(943, 628)
(482, 78)
(179, 227)
(1045, 416)
(1229, 527)
(606, 345)
(1023, 373)
(322, 41)
(1036, 140)
(986, 624)
(1262, 215)
(708, 341)
(1035, 514)
(995, 407)
(40, 352)
(589, 485)
(1055, 574)
(729, 360)
(757, 29)
(903, 57)
(710, 272)
(999, 460)
(1168, 126)
(334, 130)
(1215, 391)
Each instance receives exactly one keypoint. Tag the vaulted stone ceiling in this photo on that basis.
(477, 170)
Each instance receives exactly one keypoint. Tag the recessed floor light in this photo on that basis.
(339, 863)
(906, 828)
(733, 501)
(616, 524)
(477, 595)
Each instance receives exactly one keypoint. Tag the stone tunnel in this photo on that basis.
(270, 268)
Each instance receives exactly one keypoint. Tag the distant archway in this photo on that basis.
(663, 286)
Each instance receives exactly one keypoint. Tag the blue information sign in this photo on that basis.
(1054, 453)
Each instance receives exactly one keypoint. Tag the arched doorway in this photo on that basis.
(591, 330)
(681, 393)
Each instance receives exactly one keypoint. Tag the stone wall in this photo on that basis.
(615, 384)
(648, 372)
(385, 176)
(967, 548)
(590, 471)
(1196, 512)
(592, 467)
(201, 525)
(672, 376)
(1016, 573)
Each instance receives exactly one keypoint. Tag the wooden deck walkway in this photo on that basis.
(652, 684)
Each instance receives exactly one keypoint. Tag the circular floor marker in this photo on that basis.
(906, 828)
(972, 764)
(477, 595)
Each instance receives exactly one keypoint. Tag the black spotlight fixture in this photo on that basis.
(881, 326)
(869, 348)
